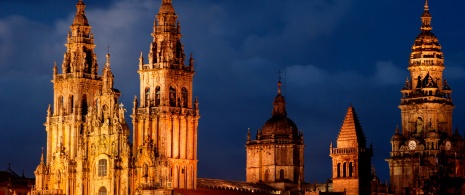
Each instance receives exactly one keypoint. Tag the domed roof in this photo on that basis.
(279, 124)
(166, 7)
(80, 19)
(41, 168)
(397, 136)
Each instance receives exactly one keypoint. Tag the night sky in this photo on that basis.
(332, 53)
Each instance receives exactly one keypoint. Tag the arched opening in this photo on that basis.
(157, 96)
(185, 97)
(102, 191)
(266, 177)
(172, 96)
(97, 105)
(344, 169)
(60, 103)
(147, 96)
(338, 170)
(281, 174)
(84, 105)
(71, 104)
(419, 125)
(102, 167)
(351, 169)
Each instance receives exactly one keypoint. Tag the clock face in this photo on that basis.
(412, 145)
(448, 145)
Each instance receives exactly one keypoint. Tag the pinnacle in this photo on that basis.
(351, 129)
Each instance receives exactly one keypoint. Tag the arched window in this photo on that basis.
(172, 96)
(102, 191)
(147, 96)
(281, 174)
(185, 97)
(351, 169)
(102, 168)
(84, 105)
(157, 96)
(338, 170)
(344, 169)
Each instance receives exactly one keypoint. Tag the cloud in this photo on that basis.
(387, 74)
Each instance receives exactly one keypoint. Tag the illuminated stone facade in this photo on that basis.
(166, 117)
(276, 156)
(426, 154)
(351, 158)
(87, 151)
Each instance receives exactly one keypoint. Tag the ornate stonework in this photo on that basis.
(88, 151)
(276, 156)
(426, 151)
(351, 158)
(165, 117)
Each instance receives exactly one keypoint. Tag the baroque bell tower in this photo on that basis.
(165, 117)
(88, 151)
(425, 149)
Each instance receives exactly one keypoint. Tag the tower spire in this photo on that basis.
(426, 18)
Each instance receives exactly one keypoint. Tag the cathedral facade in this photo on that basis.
(427, 155)
(88, 149)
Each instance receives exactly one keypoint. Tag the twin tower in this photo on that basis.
(88, 149)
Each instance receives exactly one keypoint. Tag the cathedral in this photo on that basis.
(89, 151)
(427, 155)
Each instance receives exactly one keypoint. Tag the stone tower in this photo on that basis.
(88, 151)
(426, 152)
(351, 158)
(276, 156)
(165, 117)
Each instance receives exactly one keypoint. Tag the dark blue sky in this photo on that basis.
(333, 53)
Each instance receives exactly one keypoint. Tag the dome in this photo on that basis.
(81, 20)
(166, 7)
(397, 137)
(41, 169)
(279, 124)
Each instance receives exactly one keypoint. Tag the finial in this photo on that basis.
(397, 129)
(248, 134)
(107, 65)
(426, 5)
